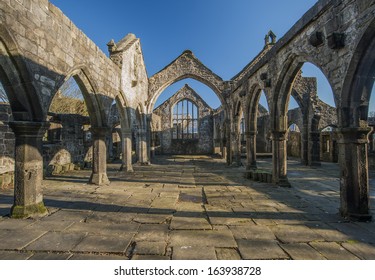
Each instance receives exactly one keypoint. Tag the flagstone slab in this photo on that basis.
(193, 253)
(203, 238)
(333, 251)
(56, 241)
(150, 248)
(302, 251)
(227, 254)
(104, 243)
(189, 223)
(260, 250)
(362, 250)
(295, 233)
(18, 238)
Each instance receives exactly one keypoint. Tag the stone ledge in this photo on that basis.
(259, 175)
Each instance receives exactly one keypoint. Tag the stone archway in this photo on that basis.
(290, 83)
(184, 66)
(126, 132)
(16, 80)
(353, 129)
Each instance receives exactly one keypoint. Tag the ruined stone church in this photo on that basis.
(41, 49)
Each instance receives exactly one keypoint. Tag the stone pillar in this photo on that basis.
(99, 156)
(229, 151)
(354, 181)
(305, 144)
(251, 158)
(223, 144)
(148, 138)
(314, 151)
(236, 144)
(142, 147)
(126, 146)
(28, 172)
(109, 144)
(279, 158)
(152, 155)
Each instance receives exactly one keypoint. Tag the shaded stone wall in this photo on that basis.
(52, 47)
(219, 132)
(294, 144)
(68, 141)
(6, 147)
(263, 137)
(204, 143)
(328, 146)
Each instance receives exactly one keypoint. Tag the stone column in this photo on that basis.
(152, 146)
(354, 181)
(126, 146)
(109, 144)
(251, 158)
(142, 147)
(229, 151)
(28, 173)
(223, 143)
(236, 144)
(148, 138)
(305, 144)
(99, 156)
(279, 159)
(314, 153)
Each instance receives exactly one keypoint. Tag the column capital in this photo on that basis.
(29, 129)
(126, 132)
(315, 135)
(250, 133)
(278, 135)
(354, 135)
(100, 130)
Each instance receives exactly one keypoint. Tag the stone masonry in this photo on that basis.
(40, 49)
(204, 143)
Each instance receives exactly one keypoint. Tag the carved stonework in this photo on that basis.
(185, 66)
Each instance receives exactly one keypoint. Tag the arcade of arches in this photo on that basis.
(123, 124)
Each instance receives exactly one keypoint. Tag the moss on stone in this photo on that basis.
(22, 212)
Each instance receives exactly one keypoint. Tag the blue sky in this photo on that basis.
(224, 34)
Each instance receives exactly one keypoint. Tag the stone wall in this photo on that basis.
(127, 54)
(204, 143)
(6, 147)
(218, 125)
(328, 146)
(68, 141)
(294, 144)
(48, 48)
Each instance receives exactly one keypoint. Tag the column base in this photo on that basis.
(126, 168)
(144, 163)
(251, 167)
(29, 211)
(99, 179)
(283, 183)
(356, 217)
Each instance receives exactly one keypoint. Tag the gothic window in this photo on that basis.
(185, 120)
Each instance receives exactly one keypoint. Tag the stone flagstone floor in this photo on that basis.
(188, 207)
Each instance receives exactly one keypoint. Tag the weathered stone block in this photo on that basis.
(57, 169)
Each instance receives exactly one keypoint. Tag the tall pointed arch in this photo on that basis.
(184, 66)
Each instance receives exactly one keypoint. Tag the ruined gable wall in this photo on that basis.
(204, 143)
(134, 80)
